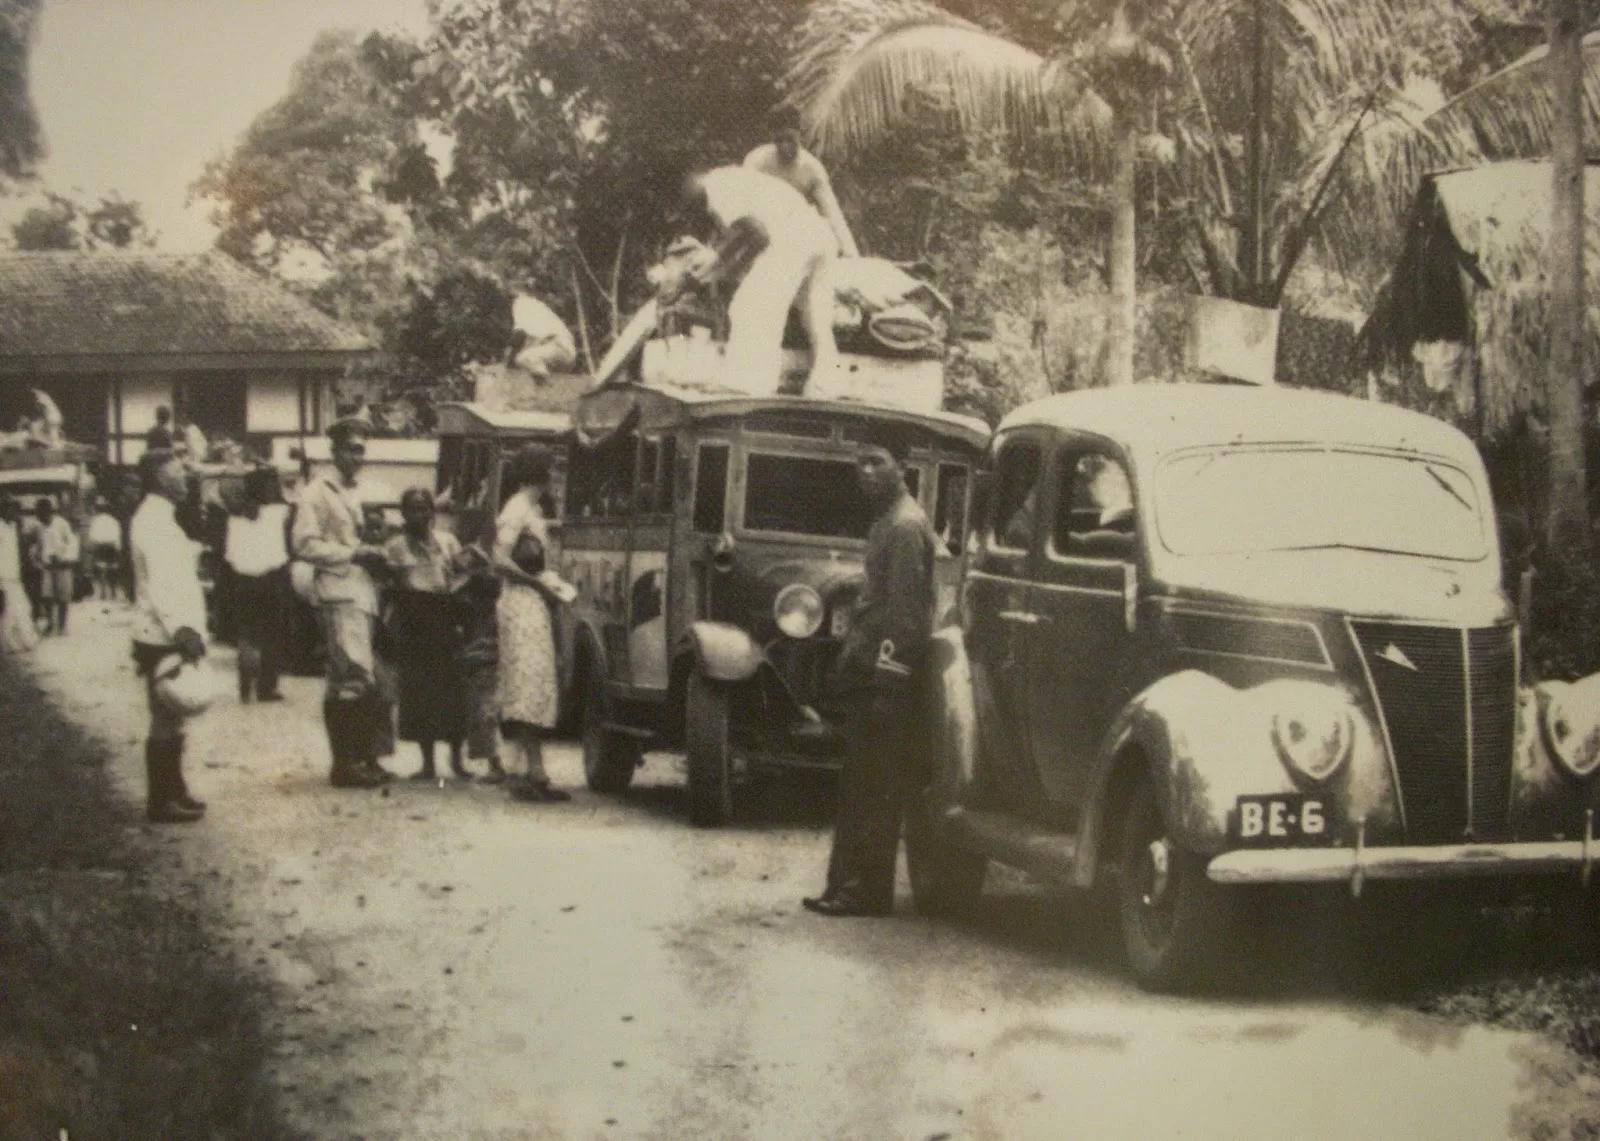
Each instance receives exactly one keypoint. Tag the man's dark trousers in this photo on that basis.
(884, 762)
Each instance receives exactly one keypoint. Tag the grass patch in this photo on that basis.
(120, 1018)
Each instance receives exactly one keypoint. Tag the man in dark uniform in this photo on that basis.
(879, 674)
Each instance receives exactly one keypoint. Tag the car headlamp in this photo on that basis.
(798, 610)
(1569, 719)
(1312, 729)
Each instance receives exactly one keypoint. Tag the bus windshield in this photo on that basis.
(804, 495)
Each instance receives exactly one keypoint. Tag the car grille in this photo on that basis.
(1448, 701)
(804, 664)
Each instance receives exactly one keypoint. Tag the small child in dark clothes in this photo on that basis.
(480, 658)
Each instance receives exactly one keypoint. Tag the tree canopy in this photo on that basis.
(64, 223)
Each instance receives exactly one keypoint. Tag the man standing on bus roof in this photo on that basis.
(766, 225)
(327, 533)
(785, 158)
(880, 675)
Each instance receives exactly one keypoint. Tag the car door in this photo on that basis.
(1080, 642)
(997, 616)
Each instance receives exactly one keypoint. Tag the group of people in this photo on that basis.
(41, 559)
(418, 603)
(461, 639)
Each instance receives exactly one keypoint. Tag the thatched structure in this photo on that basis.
(1467, 298)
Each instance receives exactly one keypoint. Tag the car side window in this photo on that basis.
(1094, 509)
(1016, 504)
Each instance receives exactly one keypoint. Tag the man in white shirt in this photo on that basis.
(327, 533)
(105, 550)
(785, 158)
(59, 552)
(171, 619)
(17, 631)
(257, 549)
(766, 224)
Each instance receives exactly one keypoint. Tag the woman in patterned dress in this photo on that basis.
(527, 684)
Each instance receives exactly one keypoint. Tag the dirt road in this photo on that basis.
(448, 964)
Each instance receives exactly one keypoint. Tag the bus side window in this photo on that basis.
(950, 505)
(711, 488)
(450, 448)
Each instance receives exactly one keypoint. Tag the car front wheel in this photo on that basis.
(946, 879)
(609, 757)
(1171, 915)
(708, 740)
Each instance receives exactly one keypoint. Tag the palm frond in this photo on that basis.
(1509, 114)
(859, 61)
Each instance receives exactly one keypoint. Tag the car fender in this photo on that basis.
(588, 648)
(1546, 798)
(724, 652)
(1204, 744)
(953, 717)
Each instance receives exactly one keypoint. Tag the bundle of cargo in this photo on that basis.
(889, 326)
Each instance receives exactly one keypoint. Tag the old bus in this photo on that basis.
(716, 541)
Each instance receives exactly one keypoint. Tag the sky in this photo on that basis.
(135, 96)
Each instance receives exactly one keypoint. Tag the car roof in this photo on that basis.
(1151, 420)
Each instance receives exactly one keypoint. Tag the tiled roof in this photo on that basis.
(97, 304)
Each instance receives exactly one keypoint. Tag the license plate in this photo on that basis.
(1280, 819)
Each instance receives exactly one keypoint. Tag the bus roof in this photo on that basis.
(602, 409)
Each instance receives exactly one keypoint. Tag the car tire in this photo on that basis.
(708, 741)
(946, 879)
(1171, 917)
(609, 757)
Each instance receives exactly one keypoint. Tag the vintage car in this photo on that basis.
(716, 540)
(1217, 636)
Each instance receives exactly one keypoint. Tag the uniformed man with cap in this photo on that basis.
(327, 533)
(879, 674)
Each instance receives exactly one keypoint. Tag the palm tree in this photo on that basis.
(1306, 154)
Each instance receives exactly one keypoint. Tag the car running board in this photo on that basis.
(1044, 853)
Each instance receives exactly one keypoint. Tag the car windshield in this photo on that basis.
(1250, 501)
(804, 495)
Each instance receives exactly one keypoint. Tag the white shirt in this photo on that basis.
(58, 542)
(327, 531)
(104, 530)
(10, 552)
(259, 546)
(733, 192)
(165, 574)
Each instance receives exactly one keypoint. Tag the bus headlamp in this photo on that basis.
(798, 610)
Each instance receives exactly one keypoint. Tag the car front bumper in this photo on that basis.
(1353, 865)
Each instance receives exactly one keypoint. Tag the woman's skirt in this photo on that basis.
(426, 651)
(527, 657)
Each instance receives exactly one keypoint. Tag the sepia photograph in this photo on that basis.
(811, 570)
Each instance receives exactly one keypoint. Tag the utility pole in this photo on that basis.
(1567, 521)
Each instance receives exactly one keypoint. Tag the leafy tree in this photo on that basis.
(1306, 155)
(21, 145)
(63, 223)
(300, 184)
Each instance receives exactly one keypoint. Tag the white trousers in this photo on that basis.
(781, 275)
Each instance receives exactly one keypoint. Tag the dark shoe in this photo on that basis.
(493, 776)
(354, 776)
(839, 906)
(270, 695)
(384, 775)
(532, 793)
(191, 803)
(427, 774)
(172, 813)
